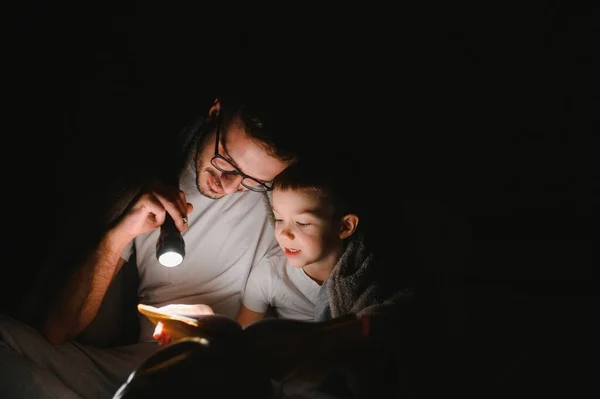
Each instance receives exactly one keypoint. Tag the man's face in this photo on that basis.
(241, 151)
(304, 228)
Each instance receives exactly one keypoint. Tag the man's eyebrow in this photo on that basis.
(230, 159)
(226, 153)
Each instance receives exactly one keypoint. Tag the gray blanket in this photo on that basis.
(356, 287)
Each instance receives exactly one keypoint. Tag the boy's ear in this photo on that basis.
(215, 108)
(348, 225)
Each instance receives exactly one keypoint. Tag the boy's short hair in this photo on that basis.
(331, 181)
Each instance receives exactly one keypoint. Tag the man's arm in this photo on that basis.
(78, 304)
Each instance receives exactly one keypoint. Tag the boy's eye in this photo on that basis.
(302, 224)
(278, 220)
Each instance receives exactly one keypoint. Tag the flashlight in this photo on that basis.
(170, 247)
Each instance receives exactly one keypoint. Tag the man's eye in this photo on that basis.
(278, 220)
(302, 224)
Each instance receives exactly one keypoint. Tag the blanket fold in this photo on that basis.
(356, 287)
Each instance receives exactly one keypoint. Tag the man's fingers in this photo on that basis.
(176, 209)
(180, 201)
(149, 205)
(187, 206)
(158, 330)
(163, 199)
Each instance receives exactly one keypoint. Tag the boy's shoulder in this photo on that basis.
(272, 263)
(276, 259)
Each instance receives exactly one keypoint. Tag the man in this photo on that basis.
(229, 159)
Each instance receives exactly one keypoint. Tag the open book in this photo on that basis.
(179, 326)
(282, 344)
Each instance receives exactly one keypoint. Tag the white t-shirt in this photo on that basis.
(226, 237)
(287, 289)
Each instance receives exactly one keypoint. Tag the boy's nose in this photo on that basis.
(286, 232)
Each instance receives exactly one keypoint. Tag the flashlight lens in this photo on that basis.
(170, 259)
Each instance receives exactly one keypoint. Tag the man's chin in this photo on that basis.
(208, 192)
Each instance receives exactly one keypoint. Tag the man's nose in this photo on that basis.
(231, 183)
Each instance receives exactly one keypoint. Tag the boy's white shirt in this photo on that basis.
(288, 289)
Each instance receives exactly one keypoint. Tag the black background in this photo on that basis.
(477, 125)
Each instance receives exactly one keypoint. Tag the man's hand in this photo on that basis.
(162, 333)
(150, 209)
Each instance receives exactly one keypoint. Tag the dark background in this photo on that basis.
(477, 127)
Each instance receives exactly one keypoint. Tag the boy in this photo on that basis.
(314, 224)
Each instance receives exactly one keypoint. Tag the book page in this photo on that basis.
(176, 326)
(204, 326)
(155, 315)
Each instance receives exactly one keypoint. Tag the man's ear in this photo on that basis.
(348, 225)
(214, 109)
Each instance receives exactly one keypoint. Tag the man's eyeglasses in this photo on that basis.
(224, 165)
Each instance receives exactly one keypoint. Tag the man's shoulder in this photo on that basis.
(255, 204)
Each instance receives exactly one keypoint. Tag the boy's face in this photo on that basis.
(304, 227)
